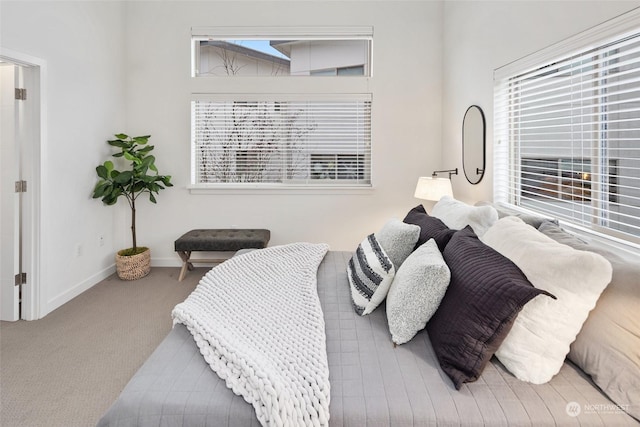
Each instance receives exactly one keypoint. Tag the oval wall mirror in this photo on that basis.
(473, 144)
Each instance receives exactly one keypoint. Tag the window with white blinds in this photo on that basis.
(271, 140)
(567, 134)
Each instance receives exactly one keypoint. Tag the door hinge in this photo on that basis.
(21, 279)
(21, 94)
(21, 186)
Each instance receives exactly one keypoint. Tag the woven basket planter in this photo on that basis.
(133, 267)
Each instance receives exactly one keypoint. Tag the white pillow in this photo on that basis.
(457, 215)
(370, 272)
(536, 347)
(416, 292)
(398, 240)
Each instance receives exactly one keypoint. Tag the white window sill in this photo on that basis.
(627, 246)
(266, 189)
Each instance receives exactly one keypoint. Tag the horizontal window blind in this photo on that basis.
(275, 139)
(567, 137)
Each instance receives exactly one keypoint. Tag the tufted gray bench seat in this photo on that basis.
(222, 240)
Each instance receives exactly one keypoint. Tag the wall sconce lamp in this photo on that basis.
(430, 188)
(449, 171)
(434, 188)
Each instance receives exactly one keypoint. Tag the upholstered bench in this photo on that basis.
(219, 240)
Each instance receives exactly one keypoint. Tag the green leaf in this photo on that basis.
(152, 198)
(118, 155)
(99, 189)
(148, 160)
(102, 172)
(109, 165)
(121, 136)
(109, 199)
(138, 186)
(142, 139)
(119, 143)
(124, 177)
(129, 156)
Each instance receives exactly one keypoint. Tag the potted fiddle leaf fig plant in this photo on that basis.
(140, 176)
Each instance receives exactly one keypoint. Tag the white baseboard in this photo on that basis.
(86, 284)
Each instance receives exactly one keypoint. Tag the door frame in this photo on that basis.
(34, 147)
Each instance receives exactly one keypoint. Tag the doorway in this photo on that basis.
(20, 131)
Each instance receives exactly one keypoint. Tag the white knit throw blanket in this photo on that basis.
(258, 323)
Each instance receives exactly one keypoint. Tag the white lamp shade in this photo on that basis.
(429, 188)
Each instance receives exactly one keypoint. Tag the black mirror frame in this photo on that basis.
(478, 170)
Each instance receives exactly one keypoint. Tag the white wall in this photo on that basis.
(81, 43)
(124, 67)
(406, 91)
(480, 36)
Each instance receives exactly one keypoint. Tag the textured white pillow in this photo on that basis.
(398, 240)
(535, 348)
(370, 272)
(416, 292)
(457, 215)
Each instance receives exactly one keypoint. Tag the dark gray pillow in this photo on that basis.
(486, 293)
(430, 227)
(608, 345)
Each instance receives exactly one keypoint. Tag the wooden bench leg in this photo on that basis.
(184, 255)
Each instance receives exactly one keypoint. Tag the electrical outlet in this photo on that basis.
(101, 240)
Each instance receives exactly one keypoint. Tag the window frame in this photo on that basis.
(280, 33)
(286, 86)
(508, 177)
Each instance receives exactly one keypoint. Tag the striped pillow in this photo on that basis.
(370, 272)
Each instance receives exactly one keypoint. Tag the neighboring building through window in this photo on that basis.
(568, 135)
(245, 57)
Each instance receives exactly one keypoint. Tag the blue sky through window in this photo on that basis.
(260, 46)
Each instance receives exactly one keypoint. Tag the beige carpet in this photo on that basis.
(67, 368)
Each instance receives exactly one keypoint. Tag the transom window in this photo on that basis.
(568, 136)
(282, 52)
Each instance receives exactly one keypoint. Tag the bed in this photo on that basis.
(372, 382)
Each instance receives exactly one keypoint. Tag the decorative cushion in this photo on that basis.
(539, 341)
(505, 210)
(398, 240)
(416, 292)
(608, 345)
(457, 215)
(484, 297)
(430, 227)
(370, 272)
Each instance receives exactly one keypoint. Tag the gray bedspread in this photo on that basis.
(372, 383)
